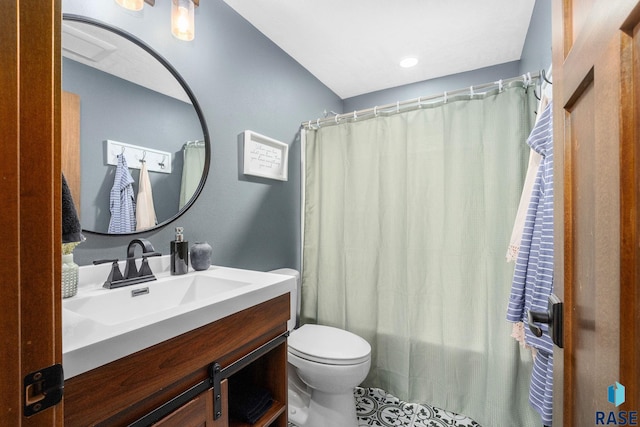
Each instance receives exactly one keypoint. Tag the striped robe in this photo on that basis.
(121, 200)
(533, 276)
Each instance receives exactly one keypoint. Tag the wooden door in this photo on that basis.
(596, 84)
(30, 321)
(70, 141)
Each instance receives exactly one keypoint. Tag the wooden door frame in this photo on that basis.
(629, 229)
(608, 19)
(30, 183)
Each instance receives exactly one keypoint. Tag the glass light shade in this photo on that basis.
(182, 19)
(131, 4)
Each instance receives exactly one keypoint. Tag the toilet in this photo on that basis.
(325, 364)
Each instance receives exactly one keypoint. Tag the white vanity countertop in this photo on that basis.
(91, 337)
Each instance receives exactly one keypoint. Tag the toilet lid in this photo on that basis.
(325, 344)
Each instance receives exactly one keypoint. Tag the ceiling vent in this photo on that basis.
(78, 43)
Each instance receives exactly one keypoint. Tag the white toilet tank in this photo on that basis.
(296, 296)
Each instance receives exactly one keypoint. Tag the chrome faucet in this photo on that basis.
(131, 275)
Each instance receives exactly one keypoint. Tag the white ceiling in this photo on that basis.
(355, 46)
(108, 52)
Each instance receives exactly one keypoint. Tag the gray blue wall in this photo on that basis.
(536, 54)
(433, 86)
(243, 81)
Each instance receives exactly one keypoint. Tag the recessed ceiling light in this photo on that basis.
(408, 62)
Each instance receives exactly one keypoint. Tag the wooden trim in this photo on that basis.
(153, 2)
(70, 141)
(560, 27)
(197, 412)
(568, 276)
(606, 17)
(630, 221)
(30, 182)
(10, 217)
(40, 190)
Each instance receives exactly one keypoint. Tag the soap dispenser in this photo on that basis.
(179, 253)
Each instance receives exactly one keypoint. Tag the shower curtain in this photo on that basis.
(406, 222)
(193, 158)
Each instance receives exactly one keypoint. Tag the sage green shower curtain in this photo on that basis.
(194, 153)
(407, 219)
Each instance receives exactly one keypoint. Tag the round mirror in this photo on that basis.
(125, 104)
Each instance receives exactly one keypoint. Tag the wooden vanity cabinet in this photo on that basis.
(196, 413)
(128, 389)
(267, 372)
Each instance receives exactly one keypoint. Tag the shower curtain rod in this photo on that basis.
(416, 103)
(196, 143)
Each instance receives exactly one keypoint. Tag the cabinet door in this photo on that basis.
(196, 413)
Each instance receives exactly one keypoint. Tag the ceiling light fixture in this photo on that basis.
(134, 5)
(409, 62)
(182, 15)
(182, 19)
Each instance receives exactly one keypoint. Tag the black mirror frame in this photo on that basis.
(192, 98)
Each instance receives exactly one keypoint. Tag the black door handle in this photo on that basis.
(553, 317)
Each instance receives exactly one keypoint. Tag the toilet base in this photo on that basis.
(325, 409)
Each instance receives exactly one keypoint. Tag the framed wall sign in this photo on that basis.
(265, 157)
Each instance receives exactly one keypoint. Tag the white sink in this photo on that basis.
(115, 306)
(102, 325)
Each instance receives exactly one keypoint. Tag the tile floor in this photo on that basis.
(375, 407)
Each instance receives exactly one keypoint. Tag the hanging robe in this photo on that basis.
(533, 276)
(122, 204)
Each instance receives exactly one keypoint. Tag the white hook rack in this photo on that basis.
(156, 160)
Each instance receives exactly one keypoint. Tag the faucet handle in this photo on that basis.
(115, 274)
(145, 270)
(104, 261)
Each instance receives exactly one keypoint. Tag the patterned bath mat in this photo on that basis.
(377, 408)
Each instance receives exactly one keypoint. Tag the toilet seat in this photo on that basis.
(328, 345)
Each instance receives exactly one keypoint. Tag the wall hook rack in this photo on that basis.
(156, 160)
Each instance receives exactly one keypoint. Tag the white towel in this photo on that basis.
(145, 211)
(525, 198)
